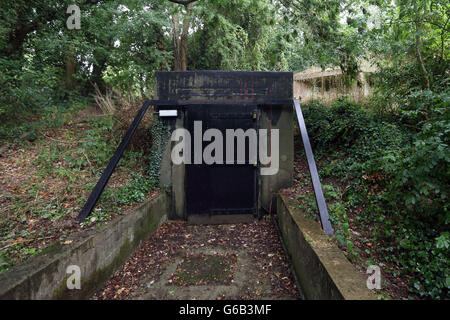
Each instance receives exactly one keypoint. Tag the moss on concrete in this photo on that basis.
(26, 282)
(52, 249)
(321, 268)
(88, 286)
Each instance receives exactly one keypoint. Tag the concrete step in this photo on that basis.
(198, 219)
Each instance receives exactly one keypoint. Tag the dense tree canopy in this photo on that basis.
(401, 134)
(123, 42)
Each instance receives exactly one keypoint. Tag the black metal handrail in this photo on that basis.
(100, 186)
(320, 199)
(98, 189)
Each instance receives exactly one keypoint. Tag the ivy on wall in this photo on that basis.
(160, 136)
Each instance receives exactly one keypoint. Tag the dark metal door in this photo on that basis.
(228, 188)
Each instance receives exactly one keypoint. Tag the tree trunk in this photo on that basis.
(97, 71)
(176, 46)
(70, 70)
(16, 39)
(180, 44)
(421, 63)
(419, 29)
(184, 38)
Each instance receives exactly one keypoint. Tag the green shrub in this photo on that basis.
(398, 173)
(136, 190)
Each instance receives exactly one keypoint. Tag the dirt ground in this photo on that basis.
(181, 261)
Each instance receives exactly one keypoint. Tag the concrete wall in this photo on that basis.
(98, 253)
(236, 87)
(281, 118)
(322, 270)
(227, 86)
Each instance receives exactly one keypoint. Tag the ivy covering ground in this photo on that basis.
(393, 179)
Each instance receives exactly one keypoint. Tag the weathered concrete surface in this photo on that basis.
(98, 253)
(212, 85)
(320, 266)
(242, 281)
(220, 219)
(236, 87)
(182, 261)
(172, 176)
(279, 118)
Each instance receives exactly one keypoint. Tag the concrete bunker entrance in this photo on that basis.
(226, 186)
(234, 188)
(224, 101)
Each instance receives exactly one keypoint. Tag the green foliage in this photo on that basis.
(133, 46)
(308, 205)
(332, 33)
(160, 136)
(25, 91)
(136, 190)
(5, 262)
(85, 153)
(237, 35)
(128, 194)
(95, 150)
(398, 174)
(28, 123)
(411, 46)
(29, 251)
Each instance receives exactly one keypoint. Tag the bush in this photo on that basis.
(26, 92)
(397, 172)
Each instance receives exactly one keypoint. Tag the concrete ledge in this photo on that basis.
(220, 218)
(321, 268)
(97, 252)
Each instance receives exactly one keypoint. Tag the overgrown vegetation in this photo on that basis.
(388, 158)
(397, 174)
(160, 136)
(46, 181)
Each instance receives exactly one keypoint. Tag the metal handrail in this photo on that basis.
(98, 189)
(320, 199)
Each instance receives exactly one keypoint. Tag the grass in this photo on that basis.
(46, 181)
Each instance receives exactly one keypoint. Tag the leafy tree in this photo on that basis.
(333, 32)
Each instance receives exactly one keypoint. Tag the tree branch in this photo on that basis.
(183, 2)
